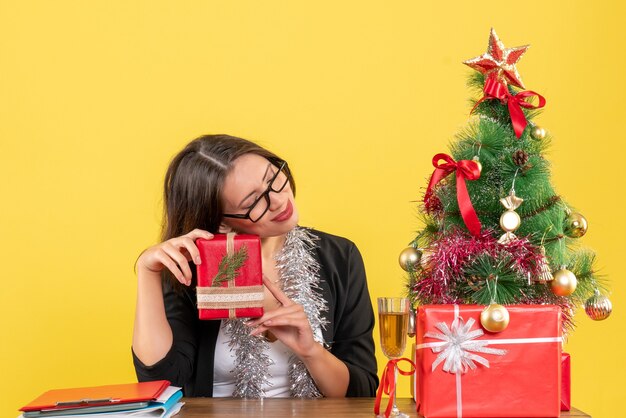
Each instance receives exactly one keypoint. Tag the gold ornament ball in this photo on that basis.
(494, 318)
(409, 258)
(598, 307)
(575, 225)
(510, 221)
(480, 166)
(564, 283)
(538, 133)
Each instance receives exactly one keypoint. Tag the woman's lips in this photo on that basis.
(286, 214)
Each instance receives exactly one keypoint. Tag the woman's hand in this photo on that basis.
(288, 323)
(175, 255)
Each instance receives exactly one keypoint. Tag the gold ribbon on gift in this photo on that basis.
(230, 297)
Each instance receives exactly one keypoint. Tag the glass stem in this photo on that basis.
(395, 411)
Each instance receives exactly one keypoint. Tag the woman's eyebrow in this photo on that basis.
(254, 191)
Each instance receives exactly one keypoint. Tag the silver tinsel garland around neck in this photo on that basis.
(299, 273)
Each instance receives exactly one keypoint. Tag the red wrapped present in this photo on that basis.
(463, 370)
(230, 277)
(566, 381)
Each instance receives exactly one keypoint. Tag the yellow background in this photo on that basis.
(97, 96)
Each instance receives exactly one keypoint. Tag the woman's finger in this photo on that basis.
(189, 245)
(291, 321)
(286, 321)
(286, 310)
(275, 290)
(258, 330)
(180, 259)
(199, 233)
(165, 259)
(188, 242)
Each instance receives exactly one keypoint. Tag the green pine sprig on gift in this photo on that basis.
(229, 266)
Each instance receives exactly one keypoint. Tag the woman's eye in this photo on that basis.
(251, 204)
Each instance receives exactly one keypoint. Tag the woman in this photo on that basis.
(219, 183)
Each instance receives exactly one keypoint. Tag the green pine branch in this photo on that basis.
(488, 280)
(229, 266)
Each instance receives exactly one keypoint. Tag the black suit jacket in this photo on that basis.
(189, 363)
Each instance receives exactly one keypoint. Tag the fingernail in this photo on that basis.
(198, 261)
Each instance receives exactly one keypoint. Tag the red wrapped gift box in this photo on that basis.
(566, 381)
(481, 380)
(241, 297)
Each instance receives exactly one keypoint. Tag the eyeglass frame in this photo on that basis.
(284, 168)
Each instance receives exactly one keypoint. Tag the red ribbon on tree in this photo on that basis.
(388, 383)
(465, 170)
(495, 89)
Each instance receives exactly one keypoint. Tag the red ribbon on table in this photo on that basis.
(388, 383)
(497, 90)
(465, 170)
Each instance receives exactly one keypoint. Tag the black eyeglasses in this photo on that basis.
(262, 203)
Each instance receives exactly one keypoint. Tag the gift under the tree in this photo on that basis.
(463, 370)
(566, 382)
(230, 277)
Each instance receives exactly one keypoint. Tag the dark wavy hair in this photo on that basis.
(194, 180)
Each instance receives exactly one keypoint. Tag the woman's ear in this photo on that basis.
(224, 229)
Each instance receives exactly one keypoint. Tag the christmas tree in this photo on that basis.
(495, 230)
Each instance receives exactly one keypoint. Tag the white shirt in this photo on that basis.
(224, 364)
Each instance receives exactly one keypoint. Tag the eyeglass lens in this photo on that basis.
(262, 205)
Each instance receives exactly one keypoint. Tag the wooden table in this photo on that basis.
(290, 407)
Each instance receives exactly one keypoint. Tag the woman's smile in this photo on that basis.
(284, 215)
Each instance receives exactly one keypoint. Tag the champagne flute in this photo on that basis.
(393, 321)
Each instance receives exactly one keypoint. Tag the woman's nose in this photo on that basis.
(277, 200)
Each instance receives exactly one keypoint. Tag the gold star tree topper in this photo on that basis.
(499, 62)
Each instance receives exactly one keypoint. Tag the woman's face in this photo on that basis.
(248, 179)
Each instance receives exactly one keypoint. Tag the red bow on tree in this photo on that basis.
(465, 170)
(495, 89)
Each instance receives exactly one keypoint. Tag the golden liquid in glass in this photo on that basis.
(393, 329)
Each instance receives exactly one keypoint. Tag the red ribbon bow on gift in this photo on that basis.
(388, 383)
(497, 90)
(465, 170)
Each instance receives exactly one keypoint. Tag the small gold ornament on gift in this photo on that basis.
(598, 307)
(494, 318)
(409, 258)
(545, 274)
(564, 283)
(575, 225)
(538, 133)
(510, 220)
